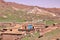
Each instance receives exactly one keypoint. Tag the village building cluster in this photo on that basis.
(14, 31)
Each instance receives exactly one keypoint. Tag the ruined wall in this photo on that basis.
(11, 37)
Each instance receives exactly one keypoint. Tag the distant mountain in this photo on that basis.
(54, 10)
(13, 12)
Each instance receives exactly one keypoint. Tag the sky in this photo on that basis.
(41, 3)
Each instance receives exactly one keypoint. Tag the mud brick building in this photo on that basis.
(16, 31)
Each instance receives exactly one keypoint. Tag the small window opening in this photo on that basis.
(40, 36)
(10, 29)
(53, 24)
(5, 29)
(57, 39)
(0, 38)
(46, 26)
(25, 27)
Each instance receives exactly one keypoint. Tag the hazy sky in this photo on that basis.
(41, 3)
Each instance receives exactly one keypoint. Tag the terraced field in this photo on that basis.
(47, 36)
(50, 35)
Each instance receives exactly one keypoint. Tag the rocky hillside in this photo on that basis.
(13, 12)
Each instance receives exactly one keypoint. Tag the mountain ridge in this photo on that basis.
(19, 12)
